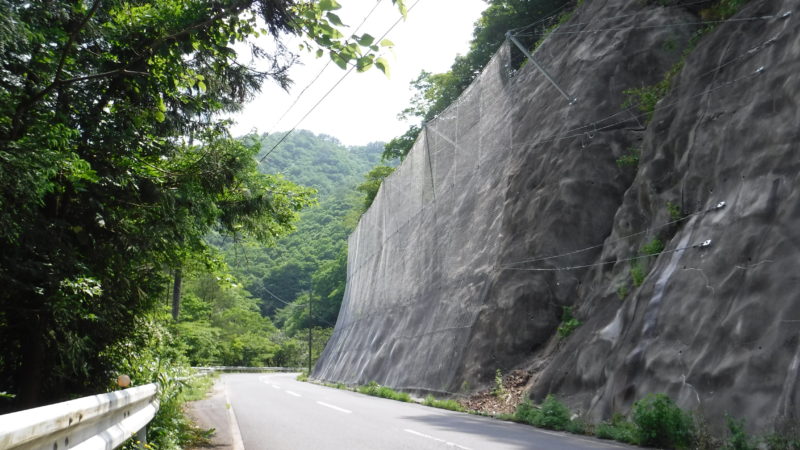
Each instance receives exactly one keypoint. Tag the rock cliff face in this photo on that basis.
(515, 203)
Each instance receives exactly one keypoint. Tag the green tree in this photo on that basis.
(372, 183)
(114, 166)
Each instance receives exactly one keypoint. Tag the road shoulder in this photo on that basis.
(216, 412)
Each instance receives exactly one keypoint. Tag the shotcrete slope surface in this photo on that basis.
(448, 273)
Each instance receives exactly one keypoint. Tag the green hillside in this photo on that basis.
(284, 272)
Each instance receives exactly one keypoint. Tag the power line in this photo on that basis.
(291, 304)
(332, 89)
(377, 3)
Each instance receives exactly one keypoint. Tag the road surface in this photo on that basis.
(275, 411)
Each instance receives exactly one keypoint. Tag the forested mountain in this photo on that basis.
(317, 249)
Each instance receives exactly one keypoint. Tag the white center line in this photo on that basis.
(347, 411)
(276, 386)
(449, 444)
(293, 393)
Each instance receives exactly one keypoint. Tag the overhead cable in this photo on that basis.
(328, 63)
(288, 133)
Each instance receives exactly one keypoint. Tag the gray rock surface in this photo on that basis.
(451, 273)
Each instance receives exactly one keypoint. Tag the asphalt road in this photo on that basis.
(275, 411)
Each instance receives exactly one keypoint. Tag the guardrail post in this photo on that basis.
(141, 437)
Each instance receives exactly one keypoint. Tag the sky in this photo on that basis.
(364, 107)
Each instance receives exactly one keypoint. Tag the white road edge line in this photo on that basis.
(346, 411)
(449, 444)
(293, 393)
(275, 386)
(236, 434)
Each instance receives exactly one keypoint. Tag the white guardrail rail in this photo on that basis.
(103, 421)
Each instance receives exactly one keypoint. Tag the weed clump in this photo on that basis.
(630, 159)
(376, 390)
(674, 211)
(498, 390)
(452, 405)
(661, 423)
(739, 439)
(618, 429)
(653, 247)
(568, 323)
(551, 414)
(637, 274)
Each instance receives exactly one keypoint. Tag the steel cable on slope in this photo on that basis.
(717, 207)
(605, 263)
(555, 138)
(665, 25)
(338, 82)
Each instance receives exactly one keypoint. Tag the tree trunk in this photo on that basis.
(176, 295)
(31, 370)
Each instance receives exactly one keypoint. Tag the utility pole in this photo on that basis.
(310, 293)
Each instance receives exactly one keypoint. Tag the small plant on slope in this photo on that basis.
(661, 423)
(568, 322)
(498, 390)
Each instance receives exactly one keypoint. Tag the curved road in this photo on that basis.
(275, 411)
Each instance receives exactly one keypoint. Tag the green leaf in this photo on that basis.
(334, 19)
(364, 63)
(387, 43)
(329, 5)
(159, 116)
(383, 65)
(366, 40)
(401, 5)
(338, 60)
(202, 86)
(320, 53)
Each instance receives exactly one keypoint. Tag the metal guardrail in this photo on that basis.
(248, 369)
(102, 421)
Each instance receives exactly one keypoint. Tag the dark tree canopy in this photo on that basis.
(114, 164)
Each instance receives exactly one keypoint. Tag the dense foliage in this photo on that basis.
(254, 310)
(114, 166)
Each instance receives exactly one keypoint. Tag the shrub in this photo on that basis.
(622, 291)
(577, 426)
(630, 159)
(618, 429)
(452, 405)
(498, 390)
(739, 440)
(550, 414)
(661, 423)
(638, 274)
(786, 435)
(526, 412)
(674, 210)
(653, 247)
(568, 322)
(302, 376)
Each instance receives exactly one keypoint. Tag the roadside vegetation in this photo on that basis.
(654, 421)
